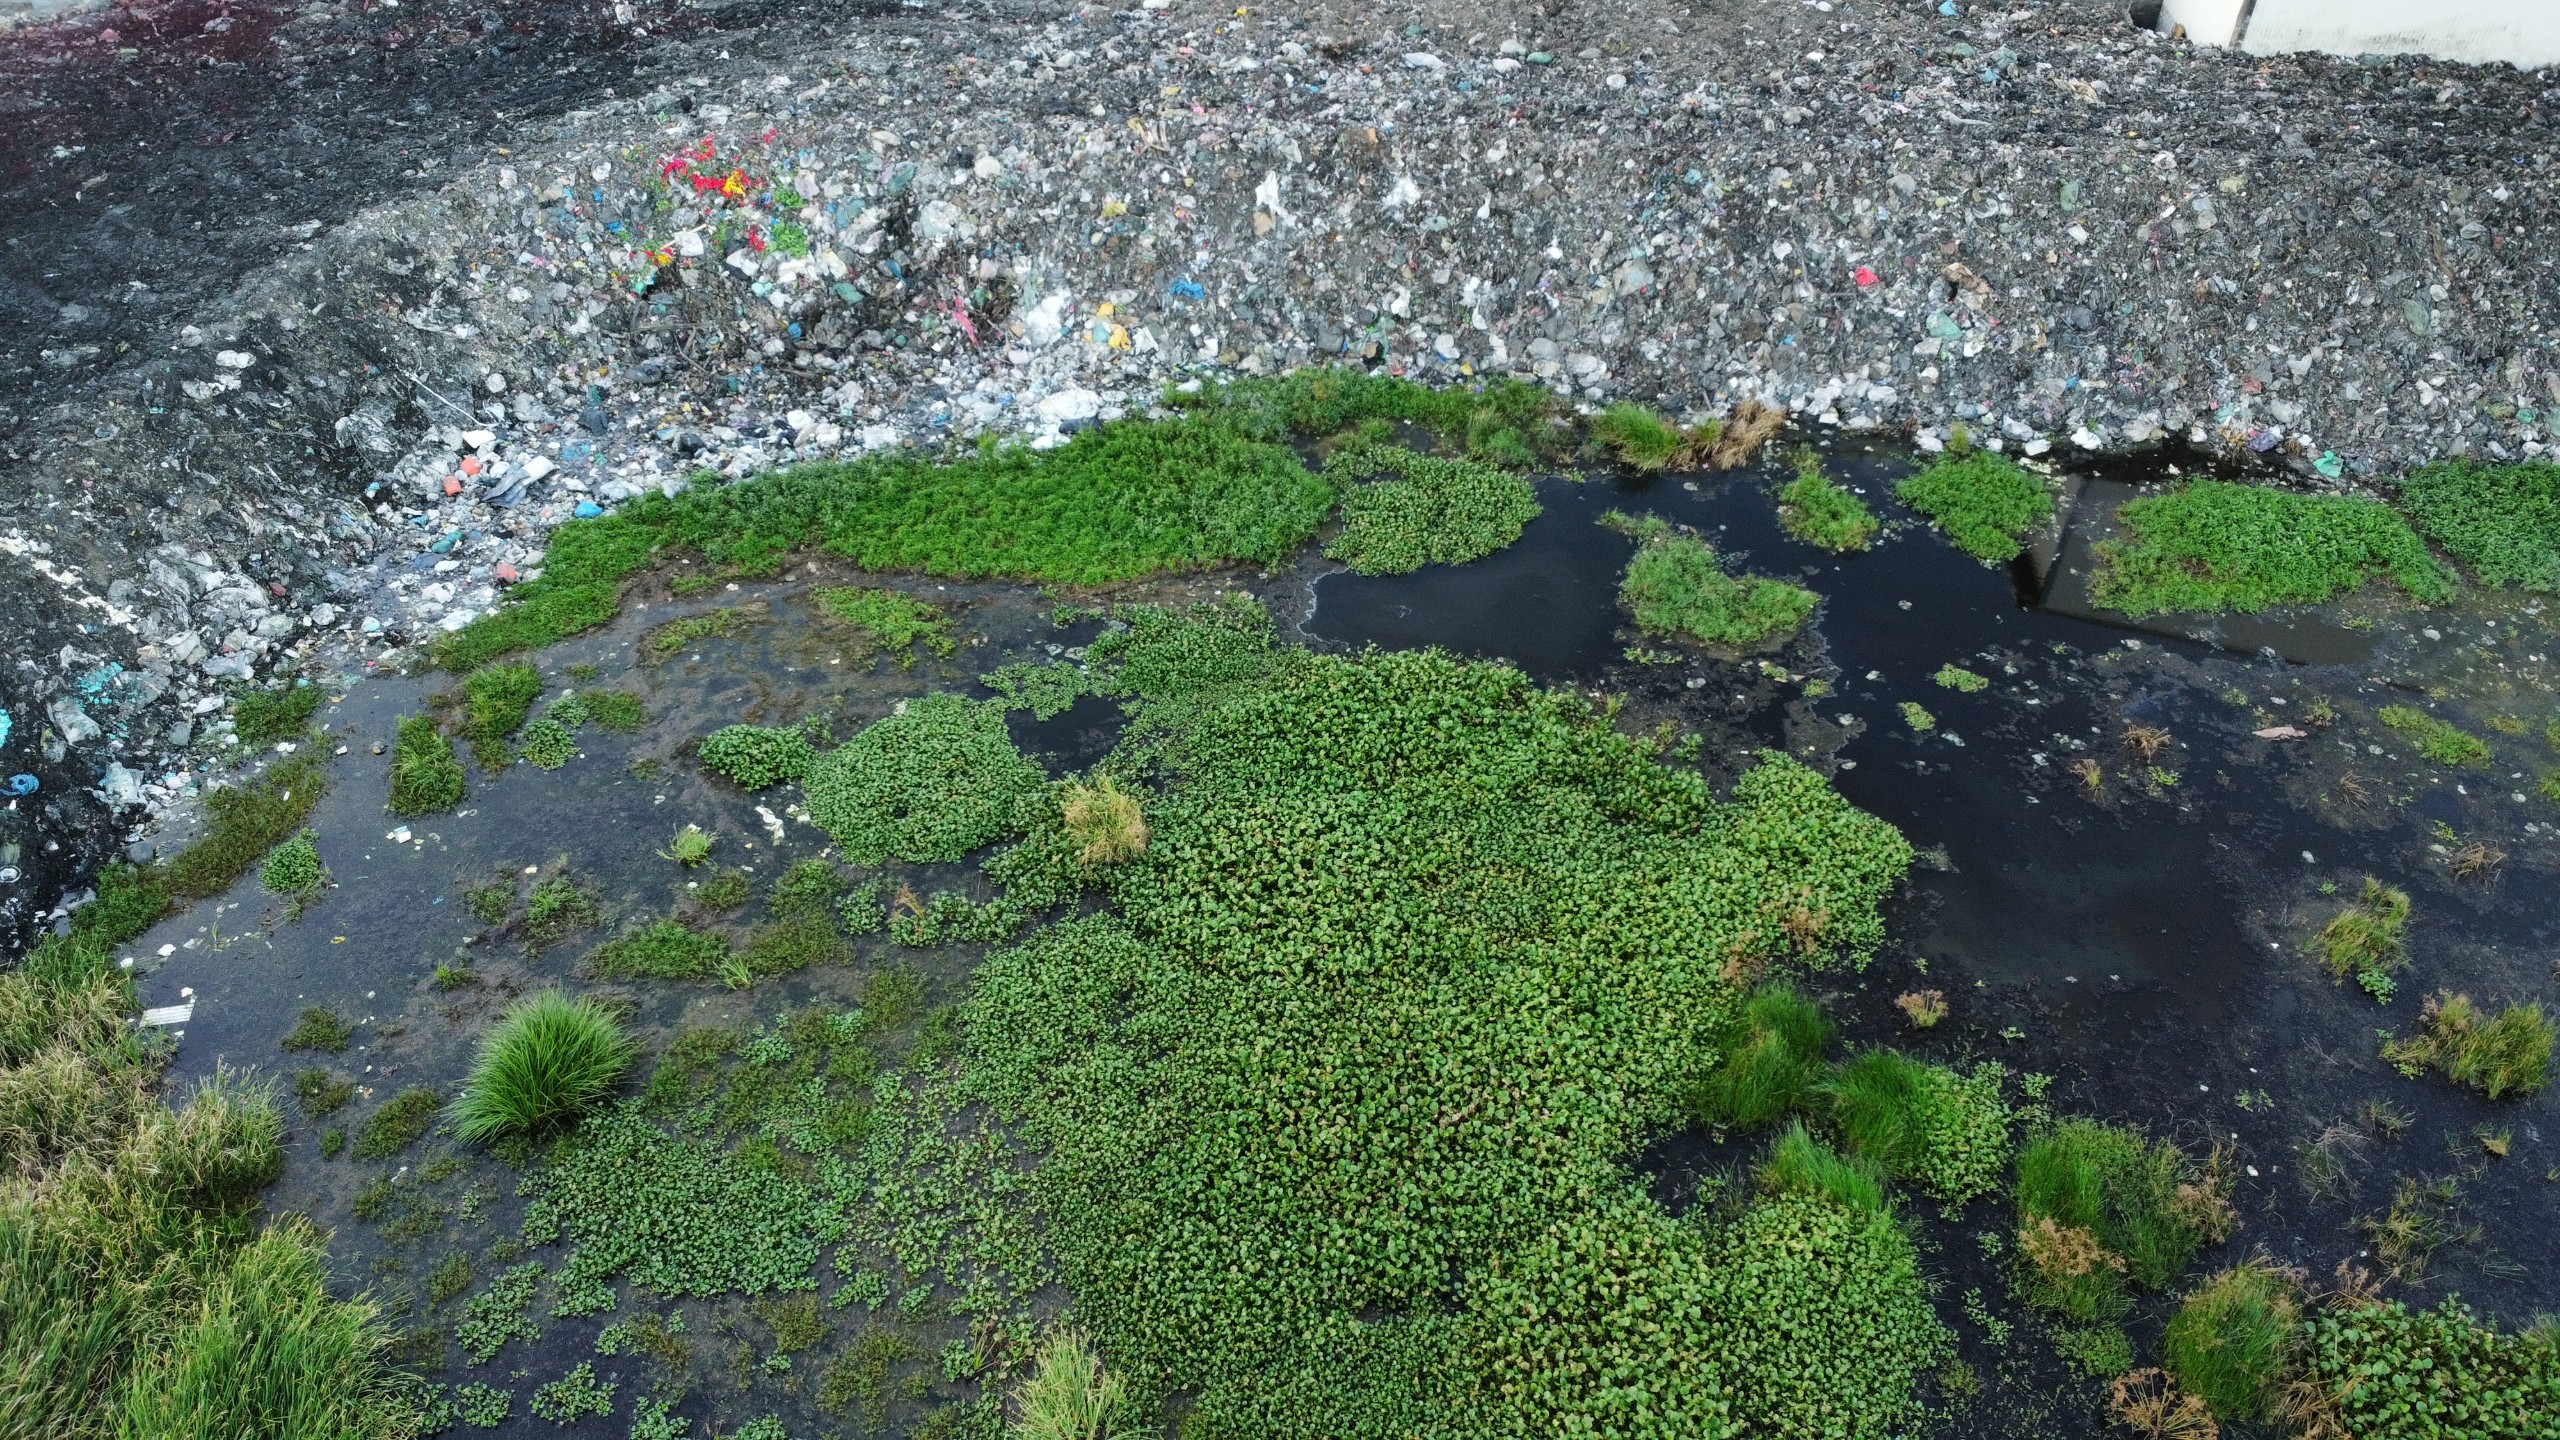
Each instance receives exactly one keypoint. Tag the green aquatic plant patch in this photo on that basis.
(930, 783)
(758, 756)
(1814, 508)
(1333, 1106)
(2439, 740)
(1676, 586)
(2219, 546)
(1982, 502)
(1126, 499)
(2501, 520)
(1402, 511)
(890, 621)
(2387, 1372)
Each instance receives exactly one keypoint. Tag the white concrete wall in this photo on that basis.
(2523, 33)
(2207, 22)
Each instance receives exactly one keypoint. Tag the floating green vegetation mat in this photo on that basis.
(930, 783)
(1675, 586)
(887, 620)
(1817, 511)
(1957, 678)
(1045, 690)
(1426, 511)
(1981, 501)
(2501, 520)
(1132, 498)
(2219, 546)
(2439, 740)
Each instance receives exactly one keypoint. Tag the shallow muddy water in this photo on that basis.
(2141, 943)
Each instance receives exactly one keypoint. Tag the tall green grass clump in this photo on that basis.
(263, 717)
(139, 1295)
(1675, 586)
(2501, 520)
(547, 1062)
(495, 701)
(425, 776)
(1771, 1061)
(1402, 511)
(1069, 1396)
(2233, 1341)
(2508, 1053)
(2099, 1208)
(1945, 1131)
(1982, 502)
(2366, 938)
(2219, 546)
(929, 784)
(1798, 1164)
(1817, 511)
(1640, 438)
(1120, 501)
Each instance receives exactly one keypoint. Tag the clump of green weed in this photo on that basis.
(1965, 681)
(263, 717)
(615, 709)
(1771, 1061)
(548, 745)
(292, 868)
(2365, 939)
(929, 784)
(756, 756)
(2505, 1054)
(857, 1380)
(575, 1394)
(1798, 1164)
(489, 904)
(666, 950)
(320, 1092)
(497, 1315)
(554, 908)
(720, 894)
(1069, 1396)
(796, 942)
(1817, 511)
(1948, 1132)
(887, 620)
(495, 701)
(1045, 690)
(485, 1407)
(1675, 585)
(2441, 741)
(1642, 439)
(666, 641)
(2501, 520)
(242, 823)
(1917, 716)
(397, 1124)
(451, 1277)
(2098, 1207)
(1980, 501)
(2233, 1340)
(2380, 1369)
(426, 777)
(808, 887)
(319, 1028)
(1432, 511)
(546, 1063)
(690, 847)
(2216, 545)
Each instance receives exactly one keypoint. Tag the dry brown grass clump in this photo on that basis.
(1925, 1007)
(1104, 823)
(1750, 426)
(2146, 741)
(2148, 1403)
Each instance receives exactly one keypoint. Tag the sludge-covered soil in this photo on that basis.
(2137, 951)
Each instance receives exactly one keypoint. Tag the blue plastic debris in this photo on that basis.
(23, 783)
(588, 510)
(4, 725)
(1946, 7)
(1187, 290)
(2329, 465)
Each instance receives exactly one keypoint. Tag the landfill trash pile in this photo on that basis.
(2064, 233)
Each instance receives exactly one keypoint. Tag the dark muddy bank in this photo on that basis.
(2133, 950)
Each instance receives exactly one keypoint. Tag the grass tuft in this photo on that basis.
(547, 1062)
(1069, 1396)
(2233, 1340)
(2499, 1055)
(264, 717)
(1675, 585)
(2144, 1207)
(495, 701)
(425, 776)
(2365, 939)
(242, 823)
(1771, 1062)
(1980, 501)
(2218, 546)
(1798, 1164)
(2444, 743)
(1103, 822)
(1643, 440)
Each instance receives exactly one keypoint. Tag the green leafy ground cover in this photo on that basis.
(757, 756)
(2501, 520)
(1402, 511)
(887, 620)
(1981, 501)
(1814, 509)
(2219, 546)
(1675, 586)
(931, 783)
(1115, 503)
(2393, 1373)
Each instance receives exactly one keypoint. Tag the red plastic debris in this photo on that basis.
(1865, 277)
(453, 484)
(507, 574)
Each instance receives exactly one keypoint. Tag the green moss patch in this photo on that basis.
(2219, 546)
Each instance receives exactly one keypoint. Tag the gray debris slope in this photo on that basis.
(2044, 223)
